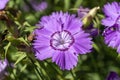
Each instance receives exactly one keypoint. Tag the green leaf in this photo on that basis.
(17, 23)
(26, 24)
(22, 56)
(101, 16)
(23, 68)
(6, 48)
(23, 40)
(11, 4)
(96, 47)
(10, 38)
(2, 27)
(29, 29)
(118, 57)
(96, 22)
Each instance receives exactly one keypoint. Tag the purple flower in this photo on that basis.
(3, 4)
(112, 23)
(62, 39)
(82, 12)
(3, 65)
(113, 76)
(39, 6)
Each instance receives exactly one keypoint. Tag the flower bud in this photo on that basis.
(88, 18)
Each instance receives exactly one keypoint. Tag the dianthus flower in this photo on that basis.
(112, 25)
(60, 37)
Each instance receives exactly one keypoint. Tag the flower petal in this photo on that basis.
(112, 10)
(109, 21)
(82, 43)
(45, 53)
(66, 60)
(113, 39)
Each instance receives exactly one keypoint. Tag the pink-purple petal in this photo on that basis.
(66, 60)
(45, 53)
(3, 4)
(109, 21)
(111, 10)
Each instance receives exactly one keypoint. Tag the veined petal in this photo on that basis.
(45, 53)
(112, 10)
(66, 60)
(109, 21)
(83, 43)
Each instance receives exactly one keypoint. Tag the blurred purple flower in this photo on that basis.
(3, 65)
(3, 4)
(36, 5)
(62, 38)
(39, 6)
(112, 23)
(82, 12)
(113, 76)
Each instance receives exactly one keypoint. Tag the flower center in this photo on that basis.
(61, 40)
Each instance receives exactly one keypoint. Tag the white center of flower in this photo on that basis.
(61, 40)
(118, 20)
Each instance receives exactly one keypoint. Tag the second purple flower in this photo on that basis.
(112, 25)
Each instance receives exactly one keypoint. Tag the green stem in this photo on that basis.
(74, 77)
(36, 69)
(32, 61)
